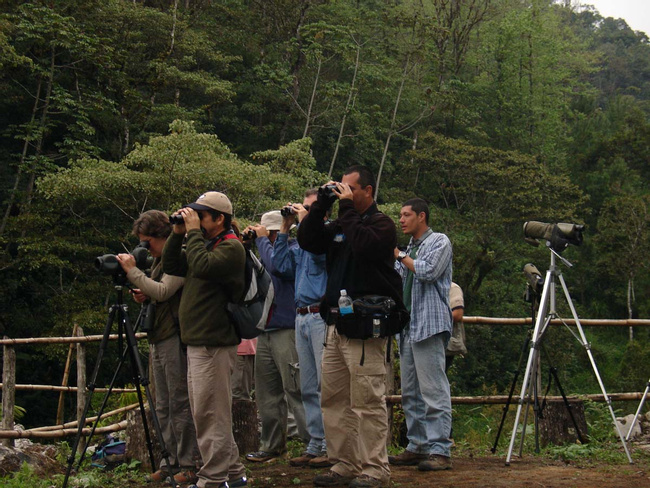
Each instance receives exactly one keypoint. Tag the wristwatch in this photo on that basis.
(401, 255)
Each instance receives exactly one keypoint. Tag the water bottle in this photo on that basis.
(376, 326)
(345, 303)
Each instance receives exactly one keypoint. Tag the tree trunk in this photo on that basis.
(392, 126)
(23, 156)
(556, 426)
(313, 97)
(347, 110)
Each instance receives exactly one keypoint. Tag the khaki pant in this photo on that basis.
(354, 405)
(208, 380)
(169, 364)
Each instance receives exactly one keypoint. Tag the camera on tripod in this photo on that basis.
(558, 236)
(109, 265)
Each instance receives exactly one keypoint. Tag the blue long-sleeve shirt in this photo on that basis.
(284, 311)
(306, 268)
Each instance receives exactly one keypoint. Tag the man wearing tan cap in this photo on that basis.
(213, 267)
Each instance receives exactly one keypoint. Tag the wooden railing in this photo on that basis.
(9, 386)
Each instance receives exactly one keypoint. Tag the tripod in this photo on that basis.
(532, 295)
(546, 313)
(120, 311)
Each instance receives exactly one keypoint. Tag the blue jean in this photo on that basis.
(426, 398)
(310, 336)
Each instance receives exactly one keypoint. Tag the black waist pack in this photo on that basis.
(374, 316)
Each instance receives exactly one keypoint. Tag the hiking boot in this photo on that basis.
(435, 462)
(302, 460)
(407, 458)
(261, 456)
(320, 462)
(365, 481)
(159, 476)
(243, 481)
(186, 476)
(332, 478)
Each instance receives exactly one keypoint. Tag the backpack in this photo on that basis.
(251, 314)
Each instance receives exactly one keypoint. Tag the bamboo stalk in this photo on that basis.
(503, 399)
(89, 420)
(63, 340)
(30, 434)
(69, 389)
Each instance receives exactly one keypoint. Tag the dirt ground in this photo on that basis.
(481, 472)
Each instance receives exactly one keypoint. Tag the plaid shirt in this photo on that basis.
(430, 312)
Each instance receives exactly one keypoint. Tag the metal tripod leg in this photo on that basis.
(139, 379)
(540, 326)
(638, 411)
(587, 346)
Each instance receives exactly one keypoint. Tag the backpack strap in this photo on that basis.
(226, 234)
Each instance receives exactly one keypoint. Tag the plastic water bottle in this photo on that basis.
(345, 303)
(376, 326)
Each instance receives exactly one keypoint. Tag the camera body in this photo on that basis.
(109, 265)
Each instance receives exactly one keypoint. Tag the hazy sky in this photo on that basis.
(635, 12)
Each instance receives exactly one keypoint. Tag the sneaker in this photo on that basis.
(407, 458)
(365, 481)
(435, 462)
(320, 462)
(159, 476)
(302, 460)
(243, 481)
(186, 476)
(261, 456)
(332, 478)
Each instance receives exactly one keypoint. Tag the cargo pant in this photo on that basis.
(354, 405)
(208, 381)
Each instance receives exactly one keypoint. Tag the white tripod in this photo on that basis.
(547, 312)
(638, 411)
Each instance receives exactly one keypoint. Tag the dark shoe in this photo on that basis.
(365, 481)
(407, 458)
(435, 462)
(332, 479)
(186, 476)
(261, 456)
(301, 460)
(320, 462)
(243, 481)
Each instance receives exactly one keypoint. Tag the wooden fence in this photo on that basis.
(9, 386)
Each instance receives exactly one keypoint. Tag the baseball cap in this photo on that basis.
(213, 200)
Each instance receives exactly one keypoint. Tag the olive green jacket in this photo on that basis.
(213, 277)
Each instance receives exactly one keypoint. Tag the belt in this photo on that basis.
(308, 309)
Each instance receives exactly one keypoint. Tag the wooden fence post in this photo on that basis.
(66, 377)
(81, 384)
(8, 391)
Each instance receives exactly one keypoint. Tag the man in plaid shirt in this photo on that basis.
(425, 268)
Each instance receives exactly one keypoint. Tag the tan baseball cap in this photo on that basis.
(213, 200)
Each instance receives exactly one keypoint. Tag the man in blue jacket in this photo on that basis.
(277, 378)
(310, 276)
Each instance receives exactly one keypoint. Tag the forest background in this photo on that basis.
(494, 111)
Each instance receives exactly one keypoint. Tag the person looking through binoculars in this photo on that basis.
(213, 266)
(168, 359)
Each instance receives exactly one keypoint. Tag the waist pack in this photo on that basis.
(374, 316)
(251, 314)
